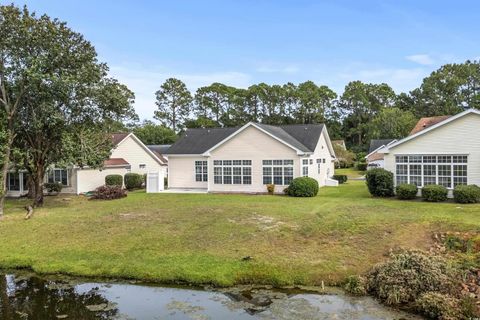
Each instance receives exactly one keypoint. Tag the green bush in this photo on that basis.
(467, 194)
(109, 193)
(53, 187)
(436, 305)
(408, 275)
(114, 180)
(361, 166)
(380, 182)
(406, 191)
(303, 187)
(341, 178)
(355, 285)
(133, 181)
(434, 193)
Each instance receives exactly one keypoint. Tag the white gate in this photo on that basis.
(155, 182)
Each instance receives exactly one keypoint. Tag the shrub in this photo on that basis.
(406, 191)
(361, 166)
(434, 193)
(467, 194)
(109, 193)
(341, 178)
(53, 187)
(408, 275)
(355, 285)
(303, 187)
(133, 181)
(114, 180)
(270, 188)
(438, 306)
(380, 182)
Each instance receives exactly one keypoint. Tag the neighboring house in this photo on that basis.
(246, 159)
(440, 150)
(341, 143)
(129, 154)
(374, 158)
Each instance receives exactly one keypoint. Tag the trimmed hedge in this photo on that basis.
(467, 194)
(380, 182)
(406, 191)
(303, 187)
(114, 180)
(133, 181)
(341, 178)
(434, 193)
(109, 193)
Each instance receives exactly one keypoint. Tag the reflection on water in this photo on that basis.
(32, 297)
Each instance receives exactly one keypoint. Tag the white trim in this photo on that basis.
(329, 142)
(442, 123)
(382, 146)
(136, 139)
(207, 153)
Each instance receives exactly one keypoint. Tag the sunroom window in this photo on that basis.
(422, 170)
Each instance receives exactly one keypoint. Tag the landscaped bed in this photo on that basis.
(224, 239)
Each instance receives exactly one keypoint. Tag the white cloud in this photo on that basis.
(423, 59)
(144, 82)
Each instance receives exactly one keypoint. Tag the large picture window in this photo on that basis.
(279, 172)
(232, 171)
(422, 170)
(201, 174)
(58, 176)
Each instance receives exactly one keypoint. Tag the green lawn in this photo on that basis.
(350, 172)
(202, 238)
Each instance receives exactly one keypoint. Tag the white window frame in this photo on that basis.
(273, 165)
(52, 171)
(203, 165)
(223, 166)
(453, 163)
(305, 167)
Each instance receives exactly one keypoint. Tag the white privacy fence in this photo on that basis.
(155, 182)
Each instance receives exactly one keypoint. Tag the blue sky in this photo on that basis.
(244, 42)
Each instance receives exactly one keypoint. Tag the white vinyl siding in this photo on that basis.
(456, 138)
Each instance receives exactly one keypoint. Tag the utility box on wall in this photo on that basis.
(155, 182)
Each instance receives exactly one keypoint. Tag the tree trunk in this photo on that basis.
(38, 177)
(5, 167)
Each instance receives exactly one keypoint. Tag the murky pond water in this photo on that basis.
(33, 297)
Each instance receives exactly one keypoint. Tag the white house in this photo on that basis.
(375, 158)
(440, 150)
(129, 154)
(246, 159)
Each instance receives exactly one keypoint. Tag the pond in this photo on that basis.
(27, 296)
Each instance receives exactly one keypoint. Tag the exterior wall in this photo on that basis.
(251, 144)
(90, 179)
(71, 188)
(327, 169)
(181, 172)
(379, 163)
(461, 136)
(135, 154)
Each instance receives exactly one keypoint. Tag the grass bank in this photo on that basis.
(202, 238)
(351, 173)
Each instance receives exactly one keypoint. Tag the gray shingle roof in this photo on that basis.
(377, 143)
(196, 141)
